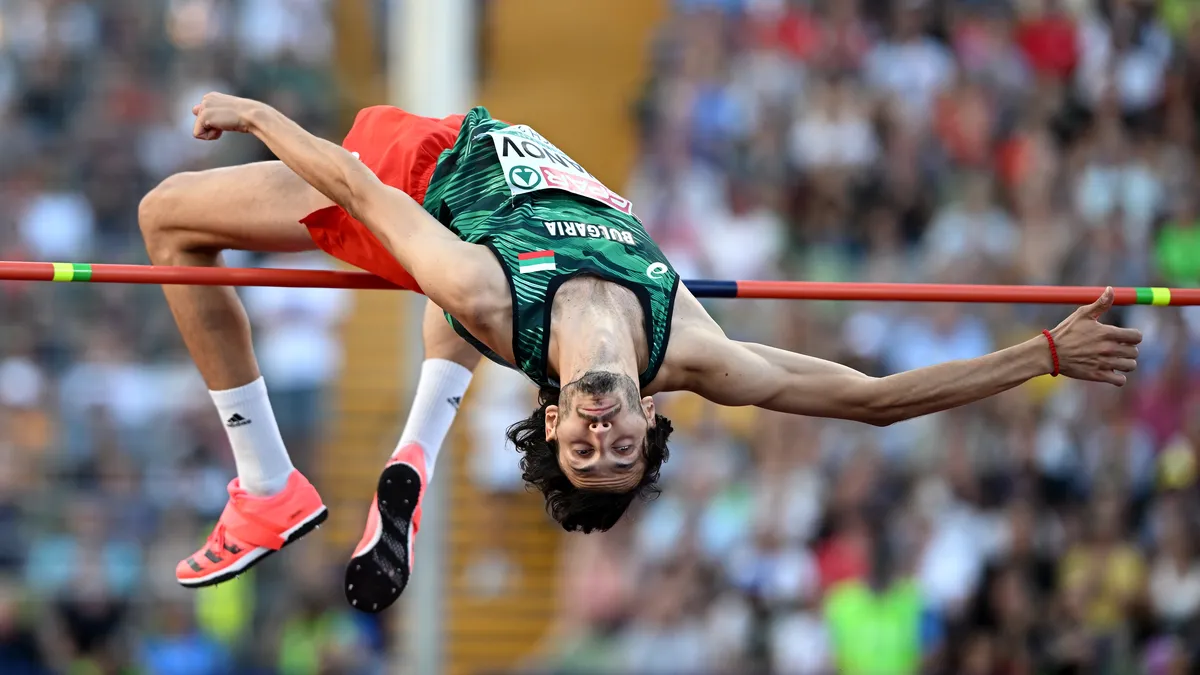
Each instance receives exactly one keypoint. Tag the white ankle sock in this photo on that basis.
(439, 392)
(262, 462)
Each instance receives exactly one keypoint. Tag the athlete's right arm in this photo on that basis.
(452, 273)
(326, 166)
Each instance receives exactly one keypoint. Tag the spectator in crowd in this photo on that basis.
(178, 647)
(883, 610)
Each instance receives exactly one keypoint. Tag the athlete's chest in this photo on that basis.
(578, 308)
(586, 306)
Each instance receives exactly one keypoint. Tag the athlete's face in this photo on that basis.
(600, 425)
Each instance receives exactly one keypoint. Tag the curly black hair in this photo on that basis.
(576, 509)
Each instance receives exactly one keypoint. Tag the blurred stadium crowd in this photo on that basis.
(111, 466)
(1050, 530)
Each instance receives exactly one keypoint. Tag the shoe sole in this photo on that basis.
(376, 577)
(258, 555)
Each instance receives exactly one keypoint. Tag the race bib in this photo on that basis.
(532, 163)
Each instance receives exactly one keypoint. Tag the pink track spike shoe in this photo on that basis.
(252, 528)
(382, 563)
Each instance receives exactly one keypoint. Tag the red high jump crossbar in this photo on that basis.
(702, 288)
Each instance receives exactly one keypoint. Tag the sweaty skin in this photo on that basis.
(597, 325)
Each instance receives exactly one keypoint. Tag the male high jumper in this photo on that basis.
(534, 263)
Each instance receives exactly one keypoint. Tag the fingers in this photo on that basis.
(1129, 336)
(1115, 348)
(1122, 365)
(203, 131)
(1101, 305)
(1124, 351)
(1111, 377)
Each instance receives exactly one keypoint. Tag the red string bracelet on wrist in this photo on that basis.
(1053, 352)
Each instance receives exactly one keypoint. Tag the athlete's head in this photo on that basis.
(592, 448)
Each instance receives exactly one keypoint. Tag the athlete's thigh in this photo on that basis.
(255, 207)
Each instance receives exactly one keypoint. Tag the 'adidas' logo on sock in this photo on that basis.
(455, 401)
(236, 421)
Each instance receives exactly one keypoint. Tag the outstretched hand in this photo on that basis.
(1090, 350)
(218, 113)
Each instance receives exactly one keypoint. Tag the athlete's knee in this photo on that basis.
(442, 342)
(163, 232)
(456, 350)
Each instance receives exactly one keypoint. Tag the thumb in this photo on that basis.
(1102, 304)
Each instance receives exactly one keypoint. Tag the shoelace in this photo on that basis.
(216, 540)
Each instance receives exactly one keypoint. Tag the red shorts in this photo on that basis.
(402, 149)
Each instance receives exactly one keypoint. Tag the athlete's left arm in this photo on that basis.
(739, 373)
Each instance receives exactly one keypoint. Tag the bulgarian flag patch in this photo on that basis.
(536, 261)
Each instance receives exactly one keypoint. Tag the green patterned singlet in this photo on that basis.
(546, 220)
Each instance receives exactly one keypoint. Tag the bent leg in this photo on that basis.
(190, 218)
(377, 575)
(445, 376)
